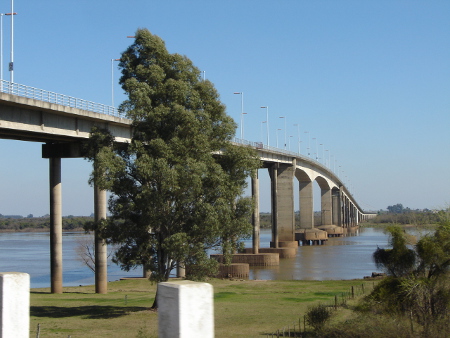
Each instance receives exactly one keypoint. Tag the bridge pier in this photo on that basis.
(255, 215)
(55, 152)
(56, 267)
(283, 217)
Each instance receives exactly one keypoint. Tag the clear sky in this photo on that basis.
(369, 81)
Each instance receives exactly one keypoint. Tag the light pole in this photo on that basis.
(309, 144)
(112, 80)
(298, 137)
(267, 123)
(11, 64)
(262, 137)
(285, 140)
(321, 157)
(277, 135)
(1, 42)
(242, 113)
(317, 149)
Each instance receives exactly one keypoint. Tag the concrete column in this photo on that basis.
(285, 203)
(181, 270)
(273, 172)
(56, 266)
(306, 205)
(185, 309)
(336, 203)
(326, 206)
(255, 215)
(101, 255)
(14, 305)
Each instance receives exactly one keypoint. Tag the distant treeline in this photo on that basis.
(41, 223)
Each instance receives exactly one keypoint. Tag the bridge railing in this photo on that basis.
(70, 101)
(52, 97)
(260, 145)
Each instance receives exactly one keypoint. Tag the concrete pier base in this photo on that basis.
(332, 230)
(234, 270)
(283, 252)
(14, 304)
(185, 309)
(311, 236)
(261, 259)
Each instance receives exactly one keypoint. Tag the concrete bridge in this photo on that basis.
(62, 123)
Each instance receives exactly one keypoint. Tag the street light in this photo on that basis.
(309, 143)
(322, 158)
(285, 141)
(242, 113)
(112, 80)
(262, 138)
(11, 64)
(277, 135)
(298, 137)
(317, 149)
(1, 41)
(267, 121)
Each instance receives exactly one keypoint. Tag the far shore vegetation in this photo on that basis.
(395, 214)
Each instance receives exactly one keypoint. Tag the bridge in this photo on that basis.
(62, 123)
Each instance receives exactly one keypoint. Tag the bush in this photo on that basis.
(318, 316)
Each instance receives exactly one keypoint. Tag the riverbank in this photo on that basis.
(242, 308)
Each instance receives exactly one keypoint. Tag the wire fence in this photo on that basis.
(298, 329)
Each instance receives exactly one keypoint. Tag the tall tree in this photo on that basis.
(177, 187)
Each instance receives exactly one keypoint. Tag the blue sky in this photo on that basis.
(369, 80)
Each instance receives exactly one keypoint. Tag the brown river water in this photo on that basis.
(340, 258)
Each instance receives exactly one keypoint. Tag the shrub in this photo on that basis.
(318, 316)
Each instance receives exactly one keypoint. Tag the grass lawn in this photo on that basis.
(242, 308)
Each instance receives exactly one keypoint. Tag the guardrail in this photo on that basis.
(52, 97)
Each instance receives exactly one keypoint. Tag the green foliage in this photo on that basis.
(317, 316)
(398, 261)
(176, 188)
(418, 283)
(42, 223)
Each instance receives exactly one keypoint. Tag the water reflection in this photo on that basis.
(340, 258)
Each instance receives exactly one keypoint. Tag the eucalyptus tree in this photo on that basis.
(177, 188)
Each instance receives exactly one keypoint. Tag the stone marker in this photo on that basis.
(185, 309)
(14, 305)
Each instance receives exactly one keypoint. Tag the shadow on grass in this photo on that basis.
(90, 312)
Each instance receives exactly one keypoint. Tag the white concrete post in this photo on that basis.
(185, 309)
(14, 305)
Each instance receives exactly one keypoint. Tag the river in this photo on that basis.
(341, 258)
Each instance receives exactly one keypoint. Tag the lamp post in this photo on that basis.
(267, 123)
(242, 113)
(112, 80)
(322, 156)
(298, 137)
(277, 135)
(309, 143)
(262, 138)
(317, 149)
(11, 63)
(285, 140)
